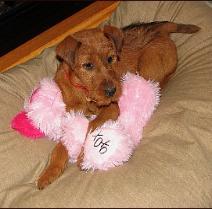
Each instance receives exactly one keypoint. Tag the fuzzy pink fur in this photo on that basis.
(108, 146)
(137, 103)
(24, 125)
(45, 107)
(75, 127)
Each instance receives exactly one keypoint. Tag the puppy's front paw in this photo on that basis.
(80, 159)
(93, 125)
(48, 177)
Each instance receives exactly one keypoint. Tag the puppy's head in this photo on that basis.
(92, 56)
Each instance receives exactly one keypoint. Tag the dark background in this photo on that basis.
(20, 21)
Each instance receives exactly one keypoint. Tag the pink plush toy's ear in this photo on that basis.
(23, 125)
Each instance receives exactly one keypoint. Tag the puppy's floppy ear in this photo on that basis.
(115, 35)
(66, 50)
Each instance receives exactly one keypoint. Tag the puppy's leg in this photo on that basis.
(158, 60)
(110, 112)
(58, 162)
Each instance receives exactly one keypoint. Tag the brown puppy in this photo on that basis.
(92, 65)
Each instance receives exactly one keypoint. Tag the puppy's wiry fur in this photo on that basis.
(92, 64)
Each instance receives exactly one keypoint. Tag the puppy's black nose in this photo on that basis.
(110, 91)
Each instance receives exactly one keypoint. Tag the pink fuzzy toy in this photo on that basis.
(108, 146)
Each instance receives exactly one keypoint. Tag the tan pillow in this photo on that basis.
(172, 166)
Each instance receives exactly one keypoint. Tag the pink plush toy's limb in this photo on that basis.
(43, 112)
(137, 103)
(23, 125)
(107, 147)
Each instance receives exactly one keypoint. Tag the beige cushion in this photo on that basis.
(171, 167)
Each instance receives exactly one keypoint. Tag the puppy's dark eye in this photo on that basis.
(110, 59)
(88, 66)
